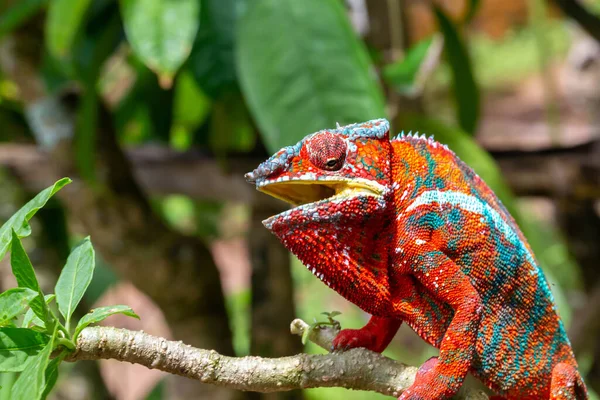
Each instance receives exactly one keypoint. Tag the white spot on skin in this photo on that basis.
(419, 242)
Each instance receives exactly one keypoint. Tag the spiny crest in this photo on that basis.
(415, 137)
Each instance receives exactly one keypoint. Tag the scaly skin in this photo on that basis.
(409, 233)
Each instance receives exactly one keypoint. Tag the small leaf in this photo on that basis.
(302, 68)
(51, 376)
(31, 383)
(14, 302)
(18, 221)
(17, 345)
(18, 13)
(23, 271)
(31, 319)
(466, 91)
(161, 32)
(75, 278)
(102, 313)
(63, 21)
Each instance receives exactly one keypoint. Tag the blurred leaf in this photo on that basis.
(18, 344)
(161, 32)
(230, 126)
(14, 302)
(302, 68)
(100, 314)
(25, 275)
(191, 107)
(18, 221)
(75, 278)
(31, 319)
(102, 34)
(63, 22)
(402, 73)
(51, 376)
(18, 13)
(148, 106)
(32, 381)
(465, 88)
(7, 379)
(212, 57)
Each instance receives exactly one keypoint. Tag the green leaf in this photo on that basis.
(13, 302)
(302, 68)
(212, 57)
(161, 32)
(75, 278)
(17, 345)
(25, 275)
(51, 376)
(102, 313)
(63, 22)
(402, 74)
(18, 221)
(31, 319)
(18, 13)
(31, 383)
(466, 91)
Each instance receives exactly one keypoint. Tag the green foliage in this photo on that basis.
(100, 314)
(30, 320)
(14, 302)
(31, 384)
(18, 13)
(161, 32)
(75, 278)
(302, 68)
(28, 349)
(212, 57)
(25, 275)
(17, 345)
(18, 222)
(466, 91)
(318, 324)
(65, 19)
(402, 74)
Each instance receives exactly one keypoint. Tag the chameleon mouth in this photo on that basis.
(303, 192)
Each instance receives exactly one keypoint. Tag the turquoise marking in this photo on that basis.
(472, 204)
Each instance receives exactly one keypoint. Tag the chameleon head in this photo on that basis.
(338, 181)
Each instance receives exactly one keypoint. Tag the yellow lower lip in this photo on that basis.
(302, 192)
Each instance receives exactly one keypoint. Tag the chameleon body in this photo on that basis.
(409, 233)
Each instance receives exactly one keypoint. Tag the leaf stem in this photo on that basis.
(66, 343)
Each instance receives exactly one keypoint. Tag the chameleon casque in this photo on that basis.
(409, 233)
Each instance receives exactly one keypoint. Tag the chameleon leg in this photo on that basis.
(448, 283)
(566, 383)
(375, 335)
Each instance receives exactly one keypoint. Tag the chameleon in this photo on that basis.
(408, 232)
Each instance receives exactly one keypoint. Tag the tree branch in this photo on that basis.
(359, 369)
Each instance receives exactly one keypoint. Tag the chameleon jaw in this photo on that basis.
(302, 192)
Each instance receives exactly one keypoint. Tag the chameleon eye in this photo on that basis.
(327, 151)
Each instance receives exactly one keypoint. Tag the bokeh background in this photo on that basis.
(158, 107)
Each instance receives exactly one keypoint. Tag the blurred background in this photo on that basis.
(158, 107)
